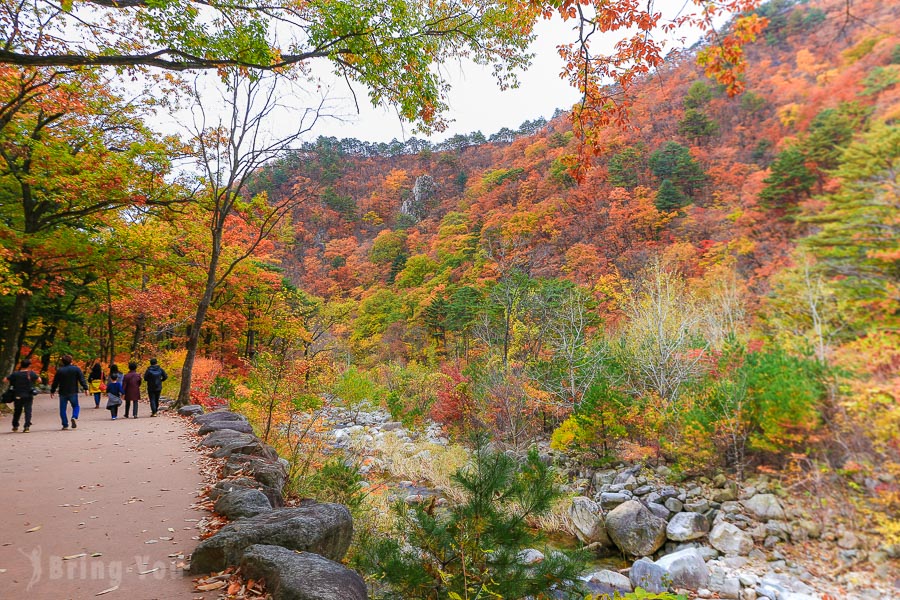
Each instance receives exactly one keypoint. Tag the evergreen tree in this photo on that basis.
(789, 181)
(859, 239)
(673, 162)
(625, 167)
(669, 197)
(473, 549)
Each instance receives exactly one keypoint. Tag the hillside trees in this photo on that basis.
(75, 157)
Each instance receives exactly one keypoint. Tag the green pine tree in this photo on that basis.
(473, 549)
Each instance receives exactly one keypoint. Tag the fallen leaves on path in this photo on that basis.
(232, 585)
(74, 556)
(107, 590)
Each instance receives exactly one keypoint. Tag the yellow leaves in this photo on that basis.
(789, 113)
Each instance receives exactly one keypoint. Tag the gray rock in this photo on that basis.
(610, 500)
(778, 529)
(607, 582)
(668, 492)
(685, 568)
(218, 415)
(223, 437)
(604, 477)
(646, 574)
(643, 490)
(190, 409)
(724, 584)
(628, 475)
(269, 473)
(635, 530)
(242, 426)
(241, 503)
(659, 510)
(697, 506)
(301, 576)
(686, 526)
(252, 447)
(674, 504)
(763, 507)
(530, 556)
(728, 493)
(728, 539)
(226, 485)
(587, 520)
(324, 528)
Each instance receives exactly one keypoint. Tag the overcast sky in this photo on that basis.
(476, 101)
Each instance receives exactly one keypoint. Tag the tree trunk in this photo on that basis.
(109, 325)
(13, 332)
(184, 392)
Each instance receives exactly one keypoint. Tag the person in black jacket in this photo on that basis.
(67, 380)
(22, 382)
(154, 376)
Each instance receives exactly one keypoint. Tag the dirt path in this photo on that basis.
(118, 493)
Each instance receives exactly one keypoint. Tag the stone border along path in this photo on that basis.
(107, 507)
(295, 549)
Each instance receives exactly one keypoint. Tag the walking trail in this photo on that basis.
(106, 506)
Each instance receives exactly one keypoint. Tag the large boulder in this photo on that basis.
(686, 569)
(241, 503)
(764, 507)
(608, 583)
(227, 485)
(729, 540)
(224, 437)
(685, 526)
(301, 576)
(635, 530)
(649, 576)
(267, 472)
(218, 415)
(251, 447)
(323, 528)
(587, 520)
(241, 426)
(190, 409)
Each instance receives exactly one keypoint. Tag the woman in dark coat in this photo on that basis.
(131, 386)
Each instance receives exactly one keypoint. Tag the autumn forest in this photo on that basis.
(704, 274)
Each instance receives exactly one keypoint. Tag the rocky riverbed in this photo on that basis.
(712, 538)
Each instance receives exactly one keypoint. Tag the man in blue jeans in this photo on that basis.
(67, 380)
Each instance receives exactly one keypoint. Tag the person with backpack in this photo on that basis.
(131, 389)
(154, 376)
(67, 379)
(114, 395)
(22, 382)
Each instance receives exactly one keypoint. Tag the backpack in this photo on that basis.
(154, 380)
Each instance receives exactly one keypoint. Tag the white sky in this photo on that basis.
(476, 101)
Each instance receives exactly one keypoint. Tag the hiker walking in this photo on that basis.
(154, 376)
(22, 382)
(95, 382)
(131, 386)
(114, 394)
(67, 379)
